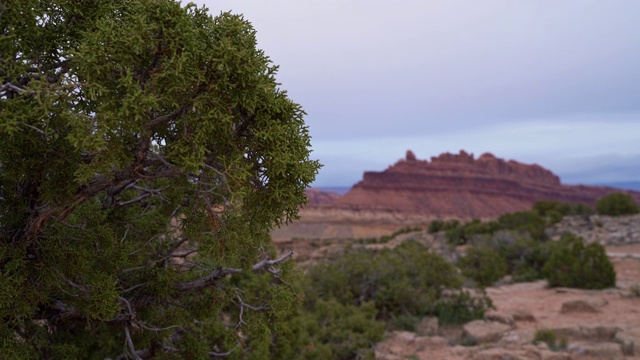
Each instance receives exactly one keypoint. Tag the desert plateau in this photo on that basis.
(584, 323)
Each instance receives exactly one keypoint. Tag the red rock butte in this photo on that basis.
(460, 186)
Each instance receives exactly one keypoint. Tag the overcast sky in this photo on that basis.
(555, 83)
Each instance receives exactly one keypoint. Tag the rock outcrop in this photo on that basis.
(319, 197)
(460, 186)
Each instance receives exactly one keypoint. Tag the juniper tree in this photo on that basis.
(146, 150)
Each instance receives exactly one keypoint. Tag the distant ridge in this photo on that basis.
(627, 185)
(461, 186)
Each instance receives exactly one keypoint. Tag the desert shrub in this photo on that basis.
(406, 280)
(617, 204)
(483, 264)
(545, 207)
(439, 225)
(525, 221)
(386, 238)
(460, 306)
(404, 323)
(464, 233)
(574, 264)
(332, 330)
(525, 258)
(435, 226)
(549, 337)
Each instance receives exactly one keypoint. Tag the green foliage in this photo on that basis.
(553, 209)
(526, 258)
(549, 337)
(461, 234)
(483, 264)
(386, 238)
(574, 264)
(546, 336)
(459, 307)
(439, 225)
(147, 151)
(617, 204)
(407, 280)
(528, 222)
(333, 330)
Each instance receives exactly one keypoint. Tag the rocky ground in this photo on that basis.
(587, 324)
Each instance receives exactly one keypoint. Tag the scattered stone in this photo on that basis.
(499, 317)
(428, 326)
(629, 339)
(426, 343)
(501, 354)
(522, 314)
(605, 333)
(591, 305)
(480, 331)
(602, 350)
(517, 337)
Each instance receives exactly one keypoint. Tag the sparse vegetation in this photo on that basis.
(386, 238)
(617, 204)
(549, 337)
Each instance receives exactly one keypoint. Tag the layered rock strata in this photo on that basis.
(460, 186)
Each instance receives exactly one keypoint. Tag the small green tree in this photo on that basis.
(147, 150)
(617, 204)
(574, 264)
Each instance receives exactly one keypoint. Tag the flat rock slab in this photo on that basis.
(590, 350)
(480, 331)
(588, 305)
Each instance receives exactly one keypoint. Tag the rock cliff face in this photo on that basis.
(460, 186)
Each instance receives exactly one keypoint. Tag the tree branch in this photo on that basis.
(206, 281)
(221, 272)
(267, 262)
(170, 116)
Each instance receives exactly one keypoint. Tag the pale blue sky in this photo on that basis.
(555, 83)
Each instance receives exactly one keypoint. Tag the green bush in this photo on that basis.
(483, 264)
(545, 207)
(617, 204)
(464, 233)
(527, 222)
(549, 337)
(460, 306)
(525, 258)
(406, 280)
(572, 264)
(439, 225)
(332, 330)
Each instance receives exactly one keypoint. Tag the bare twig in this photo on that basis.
(131, 350)
(267, 262)
(245, 305)
(206, 281)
